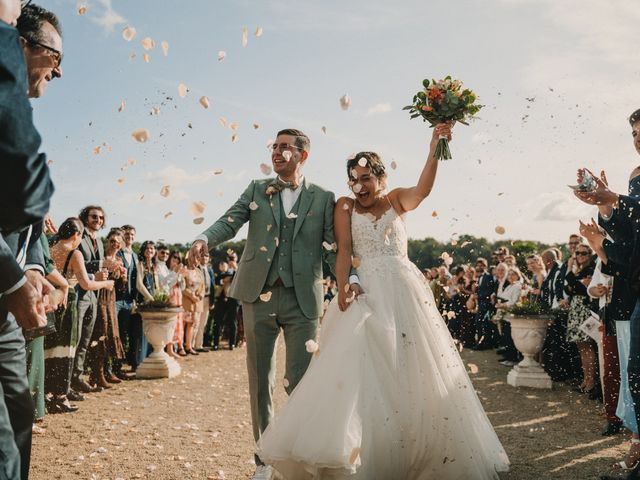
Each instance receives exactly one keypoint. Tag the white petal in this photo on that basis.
(182, 90)
(265, 297)
(362, 161)
(253, 206)
(324, 130)
(292, 215)
(287, 155)
(234, 138)
(345, 102)
(165, 47)
(245, 37)
(123, 103)
(357, 187)
(148, 43)
(265, 169)
(221, 55)
(258, 32)
(128, 33)
(311, 346)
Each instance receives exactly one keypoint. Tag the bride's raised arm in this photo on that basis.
(342, 230)
(407, 199)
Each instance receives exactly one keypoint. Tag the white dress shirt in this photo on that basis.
(289, 197)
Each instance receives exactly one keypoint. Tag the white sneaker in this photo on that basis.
(263, 472)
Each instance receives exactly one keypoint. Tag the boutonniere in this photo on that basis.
(273, 187)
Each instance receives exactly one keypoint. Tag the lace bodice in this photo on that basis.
(385, 237)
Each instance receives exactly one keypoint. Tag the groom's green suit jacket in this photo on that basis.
(313, 226)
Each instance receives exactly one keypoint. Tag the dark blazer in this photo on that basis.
(552, 287)
(487, 286)
(92, 258)
(26, 186)
(212, 284)
(127, 291)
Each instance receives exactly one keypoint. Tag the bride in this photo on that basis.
(386, 395)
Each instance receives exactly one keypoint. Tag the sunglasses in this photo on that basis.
(98, 217)
(584, 254)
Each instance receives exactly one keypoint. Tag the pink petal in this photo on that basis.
(204, 101)
(128, 33)
(265, 297)
(253, 206)
(197, 208)
(165, 47)
(258, 32)
(311, 346)
(141, 135)
(148, 43)
(394, 165)
(182, 90)
(345, 102)
(221, 55)
(165, 191)
(245, 37)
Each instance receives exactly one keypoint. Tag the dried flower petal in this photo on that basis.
(345, 102)
(204, 101)
(356, 188)
(168, 214)
(182, 90)
(221, 55)
(434, 214)
(230, 219)
(223, 121)
(165, 47)
(245, 37)
(123, 103)
(198, 220)
(233, 126)
(265, 169)
(256, 126)
(345, 206)
(473, 368)
(451, 314)
(292, 215)
(128, 33)
(197, 208)
(311, 346)
(234, 138)
(285, 382)
(276, 240)
(217, 172)
(253, 206)
(265, 297)
(500, 230)
(287, 155)
(354, 455)
(82, 9)
(324, 130)
(146, 58)
(148, 43)
(269, 227)
(362, 162)
(393, 165)
(355, 262)
(258, 32)
(141, 135)
(329, 246)
(264, 249)
(120, 181)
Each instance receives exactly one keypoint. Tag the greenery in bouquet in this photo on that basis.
(530, 308)
(442, 101)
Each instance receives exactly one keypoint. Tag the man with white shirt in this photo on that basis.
(279, 278)
(130, 325)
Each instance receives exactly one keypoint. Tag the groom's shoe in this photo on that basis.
(263, 472)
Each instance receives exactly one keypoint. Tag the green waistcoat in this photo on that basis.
(281, 266)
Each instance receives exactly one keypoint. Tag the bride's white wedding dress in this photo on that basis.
(386, 396)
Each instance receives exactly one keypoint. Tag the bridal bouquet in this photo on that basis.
(441, 101)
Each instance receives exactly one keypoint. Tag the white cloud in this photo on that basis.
(177, 177)
(106, 16)
(379, 108)
(560, 207)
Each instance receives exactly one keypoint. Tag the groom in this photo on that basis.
(279, 277)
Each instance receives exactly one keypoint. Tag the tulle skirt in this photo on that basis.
(386, 395)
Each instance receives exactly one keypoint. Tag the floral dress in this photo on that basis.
(579, 304)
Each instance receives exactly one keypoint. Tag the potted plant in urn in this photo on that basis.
(159, 322)
(529, 321)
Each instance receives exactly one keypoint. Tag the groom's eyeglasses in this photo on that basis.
(283, 146)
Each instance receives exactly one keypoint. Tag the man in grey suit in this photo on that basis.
(92, 250)
(25, 192)
(279, 277)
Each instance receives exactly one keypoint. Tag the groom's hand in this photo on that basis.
(196, 252)
(356, 290)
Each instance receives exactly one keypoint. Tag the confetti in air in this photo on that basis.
(141, 135)
(345, 102)
(128, 33)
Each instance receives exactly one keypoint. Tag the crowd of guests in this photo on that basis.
(94, 337)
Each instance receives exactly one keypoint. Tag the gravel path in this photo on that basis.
(198, 426)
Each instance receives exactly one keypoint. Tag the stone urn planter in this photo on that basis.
(158, 325)
(528, 333)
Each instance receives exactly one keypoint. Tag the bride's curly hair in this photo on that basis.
(373, 162)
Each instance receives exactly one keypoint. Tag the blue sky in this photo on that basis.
(558, 80)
